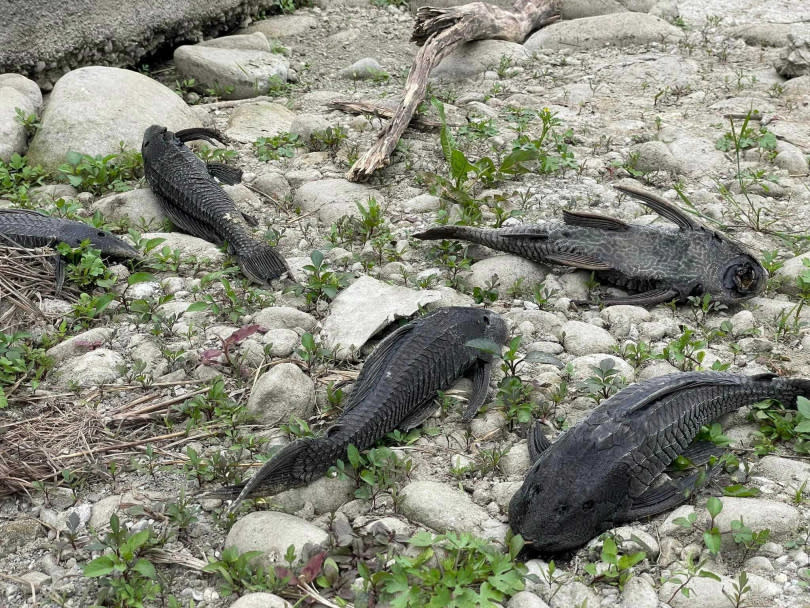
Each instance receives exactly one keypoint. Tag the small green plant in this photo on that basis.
(487, 294)
(740, 588)
(98, 174)
(605, 381)
(85, 266)
(20, 362)
(543, 296)
(243, 573)
(218, 155)
(451, 255)
(30, 122)
(217, 90)
(321, 283)
(682, 578)
(617, 568)
(17, 177)
(377, 471)
(297, 428)
(128, 579)
(278, 146)
(312, 353)
(635, 353)
(776, 423)
(372, 218)
(450, 570)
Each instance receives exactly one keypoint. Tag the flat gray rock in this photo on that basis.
(98, 366)
(281, 393)
(238, 67)
(444, 508)
(364, 308)
(331, 199)
(272, 532)
(364, 69)
(16, 91)
(325, 494)
(283, 26)
(284, 317)
(141, 208)
(768, 34)
(509, 270)
(619, 29)
(92, 109)
(473, 58)
(79, 344)
(795, 58)
(261, 119)
(260, 600)
(584, 338)
(188, 246)
(709, 593)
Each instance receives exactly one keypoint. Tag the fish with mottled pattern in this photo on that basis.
(198, 205)
(660, 264)
(396, 389)
(605, 470)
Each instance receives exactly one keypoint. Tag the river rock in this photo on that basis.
(139, 207)
(283, 26)
(585, 339)
(79, 344)
(330, 199)
(99, 366)
(271, 532)
(476, 57)
(91, 110)
(260, 119)
(260, 600)
(16, 92)
(280, 393)
(188, 246)
(509, 270)
(284, 317)
(795, 57)
(352, 322)
(243, 63)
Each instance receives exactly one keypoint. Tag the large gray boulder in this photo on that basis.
(45, 39)
(92, 109)
(238, 67)
(16, 92)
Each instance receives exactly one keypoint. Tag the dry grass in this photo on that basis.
(26, 276)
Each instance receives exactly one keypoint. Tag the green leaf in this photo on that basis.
(137, 540)
(709, 574)
(803, 427)
(198, 307)
(73, 157)
(317, 258)
(459, 165)
(140, 277)
(354, 456)
(101, 566)
(714, 506)
(712, 540)
(803, 405)
(145, 568)
(740, 491)
(485, 345)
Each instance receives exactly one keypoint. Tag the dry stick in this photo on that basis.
(440, 31)
(119, 446)
(380, 111)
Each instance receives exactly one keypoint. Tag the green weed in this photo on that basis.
(99, 174)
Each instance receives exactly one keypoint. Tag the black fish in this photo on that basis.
(601, 472)
(661, 264)
(28, 228)
(395, 390)
(196, 204)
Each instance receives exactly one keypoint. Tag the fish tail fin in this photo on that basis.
(442, 232)
(295, 465)
(263, 264)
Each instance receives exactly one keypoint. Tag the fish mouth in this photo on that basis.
(742, 278)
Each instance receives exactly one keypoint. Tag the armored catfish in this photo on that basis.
(395, 390)
(602, 472)
(198, 205)
(659, 264)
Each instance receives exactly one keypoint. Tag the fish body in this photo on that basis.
(28, 228)
(602, 472)
(198, 205)
(659, 263)
(395, 390)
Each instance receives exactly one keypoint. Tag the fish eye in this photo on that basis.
(486, 320)
(101, 233)
(587, 505)
(561, 510)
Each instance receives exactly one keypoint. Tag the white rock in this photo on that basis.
(92, 109)
(260, 600)
(325, 494)
(305, 125)
(243, 62)
(364, 69)
(790, 271)
(251, 121)
(352, 322)
(516, 461)
(283, 26)
(283, 342)
(79, 344)
(473, 58)
(708, 593)
(583, 366)
(422, 204)
(546, 324)
(282, 392)
(622, 318)
(140, 207)
(284, 317)
(443, 508)
(638, 593)
(272, 532)
(620, 29)
(574, 593)
(509, 270)
(585, 339)
(788, 472)
(99, 366)
(16, 91)
(188, 246)
(331, 199)
(525, 599)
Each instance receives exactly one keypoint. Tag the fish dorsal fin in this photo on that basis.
(210, 135)
(593, 220)
(662, 207)
(376, 364)
(526, 232)
(647, 394)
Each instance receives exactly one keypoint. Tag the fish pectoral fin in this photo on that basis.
(210, 135)
(647, 298)
(700, 453)
(664, 497)
(538, 442)
(481, 375)
(59, 267)
(578, 260)
(593, 220)
(249, 219)
(375, 365)
(662, 207)
(224, 173)
(418, 417)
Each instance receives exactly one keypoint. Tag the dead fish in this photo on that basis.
(660, 264)
(396, 389)
(603, 471)
(198, 205)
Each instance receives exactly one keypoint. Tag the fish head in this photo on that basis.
(479, 323)
(152, 136)
(737, 275)
(107, 242)
(566, 499)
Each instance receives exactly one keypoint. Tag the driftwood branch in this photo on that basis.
(439, 31)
